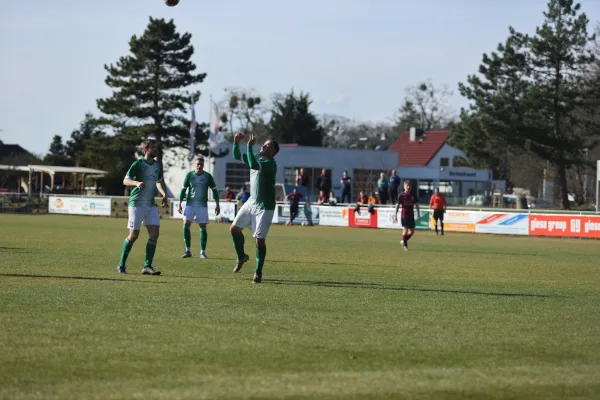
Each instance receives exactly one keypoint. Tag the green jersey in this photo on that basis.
(148, 173)
(262, 178)
(196, 187)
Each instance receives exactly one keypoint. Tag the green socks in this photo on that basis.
(187, 236)
(150, 250)
(238, 244)
(203, 238)
(261, 253)
(127, 245)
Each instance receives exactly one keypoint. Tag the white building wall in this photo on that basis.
(289, 157)
(446, 151)
(335, 160)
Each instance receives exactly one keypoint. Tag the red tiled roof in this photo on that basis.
(422, 150)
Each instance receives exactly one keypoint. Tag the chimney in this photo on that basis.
(413, 134)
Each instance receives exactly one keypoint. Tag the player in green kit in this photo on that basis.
(196, 206)
(146, 177)
(256, 213)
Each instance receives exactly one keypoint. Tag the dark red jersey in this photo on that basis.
(407, 201)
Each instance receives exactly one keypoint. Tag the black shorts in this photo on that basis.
(438, 214)
(408, 223)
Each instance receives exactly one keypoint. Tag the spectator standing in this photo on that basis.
(229, 195)
(394, 185)
(346, 182)
(382, 187)
(324, 182)
(302, 179)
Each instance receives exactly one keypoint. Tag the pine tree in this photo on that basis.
(293, 122)
(529, 94)
(149, 87)
(81, 137)
(56, 153)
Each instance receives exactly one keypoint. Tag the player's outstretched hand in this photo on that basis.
(217, 210)
(252, 140)
(238, 137)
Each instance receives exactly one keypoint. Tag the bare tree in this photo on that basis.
(426, 105)
(243, 109)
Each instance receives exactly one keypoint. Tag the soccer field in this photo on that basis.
(341, 313)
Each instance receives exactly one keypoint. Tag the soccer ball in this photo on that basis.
(171, 3)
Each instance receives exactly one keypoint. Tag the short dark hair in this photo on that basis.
(275, 146)
(407, 182)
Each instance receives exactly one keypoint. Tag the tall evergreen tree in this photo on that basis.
(293, 122)
(150, 96)
(56, 153)
(81, 137)
(529, 92)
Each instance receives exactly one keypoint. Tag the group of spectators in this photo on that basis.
(242, 196)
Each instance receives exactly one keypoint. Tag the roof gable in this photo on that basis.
(422, 150)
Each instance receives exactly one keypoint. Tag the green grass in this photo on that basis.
(341, 314)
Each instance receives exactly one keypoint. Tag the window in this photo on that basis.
(236, 176)
(364, 180)
(289, 175)
(444, 162)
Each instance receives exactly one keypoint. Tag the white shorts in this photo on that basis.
(146, 214)
(198, 213)
(257, 220)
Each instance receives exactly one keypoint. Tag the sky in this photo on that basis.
(355, 58)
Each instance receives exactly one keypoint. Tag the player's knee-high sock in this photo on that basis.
(127, 245)
(261, 253)
(404, 240)
(150, 250)
(436, 227)
(442, 224)
(408, 236)
(187, 237)
(203, 237)
(238, 244)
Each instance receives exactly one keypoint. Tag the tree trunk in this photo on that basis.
(562, 183)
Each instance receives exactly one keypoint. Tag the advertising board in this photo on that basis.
(333, 216)
(502, 223)
(363, 220)
(227, 210)
(311, 217)
(584, 226)
(385, 219)
(79, 205)
(459, 221)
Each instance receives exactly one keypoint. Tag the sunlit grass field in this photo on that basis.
(341, 314)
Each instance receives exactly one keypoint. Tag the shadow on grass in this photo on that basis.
(379, 286)
(90, 278)
(16, 249)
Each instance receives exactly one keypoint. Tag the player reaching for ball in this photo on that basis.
(257, 212)
(408, 201)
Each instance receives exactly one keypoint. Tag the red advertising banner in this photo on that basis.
(585, 226)
(363, 220)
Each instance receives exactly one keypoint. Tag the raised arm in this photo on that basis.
(253, 163)
(237, 154)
